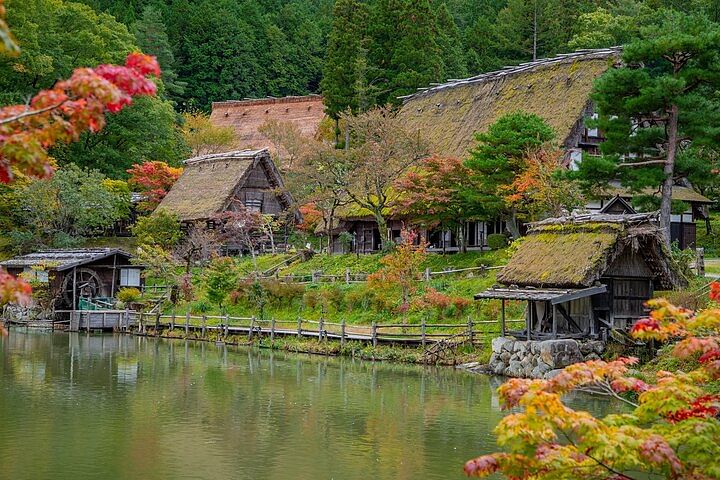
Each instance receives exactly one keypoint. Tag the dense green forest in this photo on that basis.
(357, 53)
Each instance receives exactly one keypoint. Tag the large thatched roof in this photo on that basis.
(208, 183)
(574, 252)
(557, 89)
(247, 116)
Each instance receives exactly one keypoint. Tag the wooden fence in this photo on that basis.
(376, 333)
(348, 277)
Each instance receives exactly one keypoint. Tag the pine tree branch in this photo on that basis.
(640, 164)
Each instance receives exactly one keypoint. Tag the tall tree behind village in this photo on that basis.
(662, 106)
(346, 52)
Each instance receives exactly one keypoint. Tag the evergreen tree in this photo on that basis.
(450, 44)
(151, 37)
(498, 159)
(344, 52)
(415, 58)
(658, 107)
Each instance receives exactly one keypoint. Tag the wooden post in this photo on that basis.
(299, 327)
(127, 318)
(157, 323)
(252, 325)
(320, 328)
(347, 276)
(700, 261)
(314, 276)
(423, 326)
(554, 320)
(172, 320)
(374, 333)
(187, 322)
(74, 300)
(502, 317)
(529, 318)
(227, 325)
(272, 329)
(471, 334)
(104, 318)
(427, 274)
(204, 325)
(87, 321)
(342, 332)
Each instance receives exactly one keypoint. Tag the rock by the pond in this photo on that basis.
(536, 359)
(560, 353)
(552, 373)
(499, 343)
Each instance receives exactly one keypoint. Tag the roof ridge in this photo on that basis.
(269, 100)
(584, 54)
(240, 154)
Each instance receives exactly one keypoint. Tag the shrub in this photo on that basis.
(311, 299)
(129, 295)
(281, 293)
(333, 297)
(496, 241)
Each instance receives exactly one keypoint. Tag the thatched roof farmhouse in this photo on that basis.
(557, 89)
(211, 184)
(247, 116)
(585, 274)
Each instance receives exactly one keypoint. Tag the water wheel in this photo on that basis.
(87, 285)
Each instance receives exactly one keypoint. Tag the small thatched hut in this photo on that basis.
(212, 184)
(585, 275)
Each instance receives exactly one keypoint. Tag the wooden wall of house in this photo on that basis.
(257, 190)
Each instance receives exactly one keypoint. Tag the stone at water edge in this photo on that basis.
(500, 343)
(560, 353)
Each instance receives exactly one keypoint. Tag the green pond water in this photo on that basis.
(78, 406)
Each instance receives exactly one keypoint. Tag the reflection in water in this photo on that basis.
(116, 406)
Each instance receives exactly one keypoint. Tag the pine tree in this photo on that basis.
(659, 107)
(345, 49)
(152, 38)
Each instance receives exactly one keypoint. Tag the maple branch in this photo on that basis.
(29, 113)
(604, 388)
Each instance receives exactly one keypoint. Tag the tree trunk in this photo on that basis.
(337, 132)
(512, 224)
(328, 231)
(535, 27)
(462, 246)
(668, 171)
(382, 228)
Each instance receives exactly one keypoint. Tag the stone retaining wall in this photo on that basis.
(539, 359)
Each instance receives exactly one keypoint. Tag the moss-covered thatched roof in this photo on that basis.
(556, 89)
(208, 183)
(576, 252)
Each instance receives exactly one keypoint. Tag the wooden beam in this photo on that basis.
(554, 321)
(564, 313)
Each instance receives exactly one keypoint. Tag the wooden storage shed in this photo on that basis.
(78, 276)
(585, 275)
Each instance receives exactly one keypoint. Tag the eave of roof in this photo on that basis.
(63, 259)
(553, 295)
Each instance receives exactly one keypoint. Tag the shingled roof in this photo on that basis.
(247, 116)
(208, 183)
(574, 252)
(557, 89)
(62, 259)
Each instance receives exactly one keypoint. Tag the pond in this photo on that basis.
(114, 406)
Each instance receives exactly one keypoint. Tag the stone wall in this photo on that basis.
(539, 359)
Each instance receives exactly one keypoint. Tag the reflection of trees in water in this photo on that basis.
(167, 406)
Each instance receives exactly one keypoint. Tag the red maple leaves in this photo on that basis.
(69, 108)
(153, 180)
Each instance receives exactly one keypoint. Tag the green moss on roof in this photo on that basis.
(554, 258)
(557, 92)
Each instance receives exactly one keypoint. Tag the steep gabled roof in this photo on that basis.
(557, 89)
(62, 259)
(574, 252)
(208, 182)
(247, 116)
